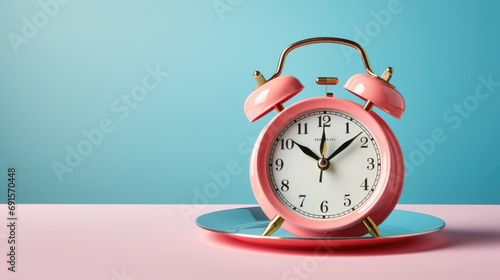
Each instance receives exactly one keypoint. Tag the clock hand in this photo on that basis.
(307, 151)
(322, 150)
(322, 145)
(343, 146)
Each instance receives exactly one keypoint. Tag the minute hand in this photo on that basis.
(343, 147)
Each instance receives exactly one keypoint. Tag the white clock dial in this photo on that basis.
(351, 164)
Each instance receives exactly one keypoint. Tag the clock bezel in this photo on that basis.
(272, 174)
(272, 205)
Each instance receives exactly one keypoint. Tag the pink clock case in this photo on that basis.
(377, 91)
(380, 203)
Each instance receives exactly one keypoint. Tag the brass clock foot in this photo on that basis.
(371, 227)
(273, 225)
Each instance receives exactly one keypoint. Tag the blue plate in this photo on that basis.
(247, 224)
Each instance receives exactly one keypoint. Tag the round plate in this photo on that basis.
(247, 224)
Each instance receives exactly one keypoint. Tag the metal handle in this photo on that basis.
(319, 40)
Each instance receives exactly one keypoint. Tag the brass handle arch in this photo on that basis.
(319, 40)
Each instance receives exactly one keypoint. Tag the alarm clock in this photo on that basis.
(325, 166)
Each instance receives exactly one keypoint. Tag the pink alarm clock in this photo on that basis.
(325, 166)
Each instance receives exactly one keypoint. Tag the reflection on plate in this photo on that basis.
(247, 224)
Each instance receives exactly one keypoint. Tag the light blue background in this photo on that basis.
(87, 54)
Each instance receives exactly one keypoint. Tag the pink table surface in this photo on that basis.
(138, 242)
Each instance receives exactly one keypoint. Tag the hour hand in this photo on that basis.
(306, 151)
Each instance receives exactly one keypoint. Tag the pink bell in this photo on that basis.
(379, 92)
(275, 91)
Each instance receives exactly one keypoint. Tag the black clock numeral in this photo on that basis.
(371, 163)
(347, 127)
(284, 185)
(364, 140)
(347, 200)
(279, 164)
(300, 125)
(324, 121)
(303, 196)
(323, 207)
(365, 184)
(288, 144)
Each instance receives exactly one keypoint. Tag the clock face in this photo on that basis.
(324, 164)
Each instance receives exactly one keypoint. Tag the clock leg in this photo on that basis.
(273, 225)
(371, 227)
